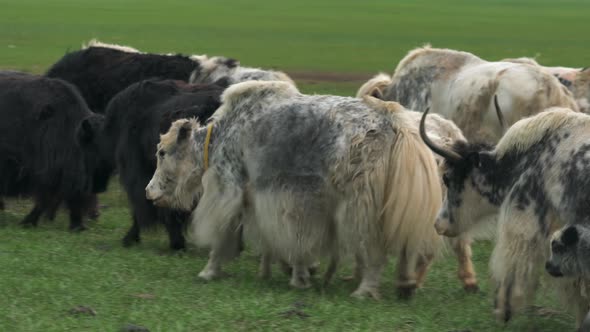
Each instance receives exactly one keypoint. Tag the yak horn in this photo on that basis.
(499, 114)
(449, 155)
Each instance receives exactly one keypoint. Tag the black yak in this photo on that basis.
(101, 70)
(134, 119)
(44, 146)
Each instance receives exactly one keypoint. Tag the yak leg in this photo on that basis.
(572, 292)
(42, 201)
(77, 208)
(144, 214)
(2, 206)
(371, 269)
(300, 276)
(422, 267)
(32, 219)
(174, 223)
(133, 234)
(331, 270)
(223, 251)
(406, 274)
(265, 271)
(516, 260)
(92, 206)
(466, 272)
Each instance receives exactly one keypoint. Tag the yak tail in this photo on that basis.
(413, 196)
(375, 86)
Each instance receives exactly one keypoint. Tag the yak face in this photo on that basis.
(569, 252)
(470, 174)
(98, 161)
(467, 203)
(215, 70)
(177, 178)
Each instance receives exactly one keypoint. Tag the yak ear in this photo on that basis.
(570, 237)
(184, 132)
(46, 112)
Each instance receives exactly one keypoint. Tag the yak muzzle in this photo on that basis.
(553, 269)
(151, 193)
(442, 227)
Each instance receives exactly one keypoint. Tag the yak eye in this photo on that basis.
(161, 153)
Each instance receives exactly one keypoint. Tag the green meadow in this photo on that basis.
(329, 47)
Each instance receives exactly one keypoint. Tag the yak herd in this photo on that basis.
(231, 156)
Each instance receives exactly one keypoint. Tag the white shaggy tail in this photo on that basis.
(375, 86)
(414, 198)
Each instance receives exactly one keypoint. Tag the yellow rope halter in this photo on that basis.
(206, 148)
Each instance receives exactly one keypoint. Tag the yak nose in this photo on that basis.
(441, 226)
(553, 269)
(152, 194)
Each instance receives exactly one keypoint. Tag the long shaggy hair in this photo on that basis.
(523, 134)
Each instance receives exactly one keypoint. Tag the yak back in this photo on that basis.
(39, 119)
(100, 73)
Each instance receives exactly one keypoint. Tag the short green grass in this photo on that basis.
(45, 272)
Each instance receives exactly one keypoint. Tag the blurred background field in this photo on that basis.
(328, 47)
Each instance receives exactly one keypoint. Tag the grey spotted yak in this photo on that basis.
(305, 177)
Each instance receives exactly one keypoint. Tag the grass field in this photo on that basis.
(46, 272)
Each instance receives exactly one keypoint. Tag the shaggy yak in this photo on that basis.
(305, 176)
(461, 87)
(129, 136)
(44, 147)
(532, 182)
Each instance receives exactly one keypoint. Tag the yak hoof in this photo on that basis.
(28, 223)
(78, 228)
(472, 288)
(300, 282)
(503, 316)
(129, 241)
(209, 275)
(406, 293)
(176, 246)
(93, 215)
(365, 292)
